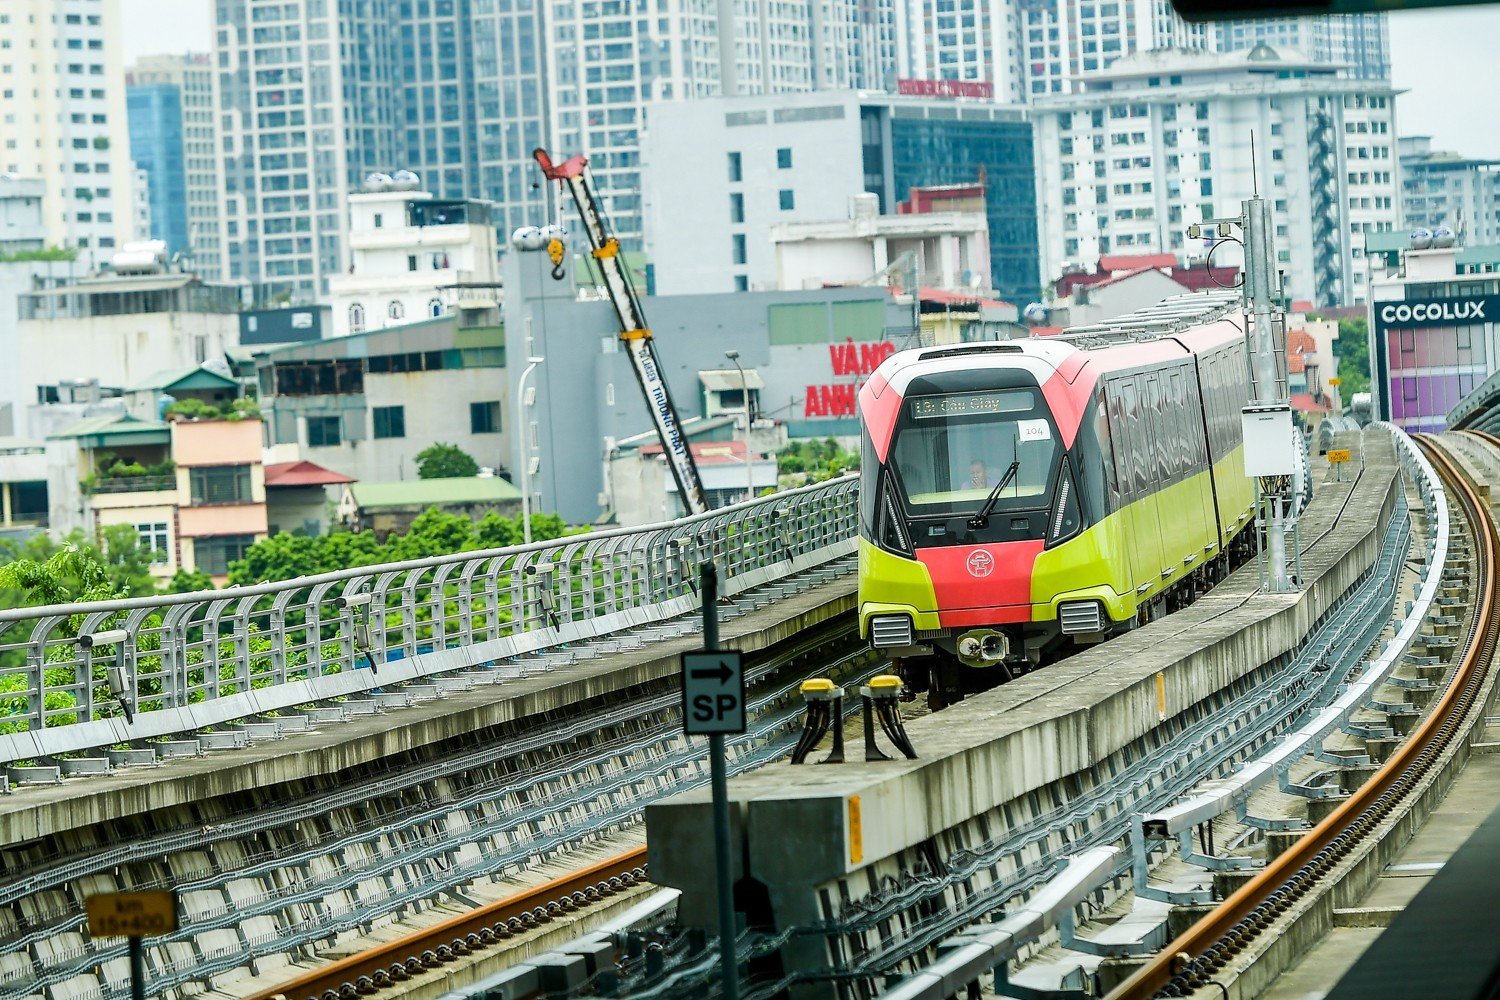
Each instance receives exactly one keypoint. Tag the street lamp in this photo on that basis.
(523, 450)
(734, 356)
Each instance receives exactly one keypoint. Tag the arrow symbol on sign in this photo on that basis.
(723, 673)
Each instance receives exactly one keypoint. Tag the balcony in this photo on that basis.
(136, 484)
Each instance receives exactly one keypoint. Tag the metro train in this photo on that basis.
(1019, 499)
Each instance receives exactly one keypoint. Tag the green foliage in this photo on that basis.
(433, 533)
(816, 461)
(184, 582)
(44, 254)
(445, 461)
(197, 409)
(1354, 357)
(41, 571)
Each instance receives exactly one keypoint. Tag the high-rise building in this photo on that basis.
(612, 71)
(307, 103)
(723, 172)
(1360, 42)
(977, 42)
(1446, 189)
(62, 118)
(1061, 40)
(174, 139)
(1126, 164)
(461, 91)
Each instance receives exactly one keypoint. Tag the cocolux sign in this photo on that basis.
(1465, 311)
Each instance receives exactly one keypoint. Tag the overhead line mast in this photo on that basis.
(634, 332)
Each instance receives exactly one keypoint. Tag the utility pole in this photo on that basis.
(734, 356)
(523, 447)
(1270, 456)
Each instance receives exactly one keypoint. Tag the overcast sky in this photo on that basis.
(1445, 58)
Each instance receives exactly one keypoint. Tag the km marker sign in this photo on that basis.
(713, 692)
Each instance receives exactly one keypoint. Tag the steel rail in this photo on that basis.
(1195, 958)
(396, 961)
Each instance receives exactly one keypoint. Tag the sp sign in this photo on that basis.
(713, 692)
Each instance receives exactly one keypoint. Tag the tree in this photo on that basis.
(445, 461)
(815, 461)
(41, 571)
(184, 582)
(1354, 357)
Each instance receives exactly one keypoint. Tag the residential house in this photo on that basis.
(300, 497)
(391, 507)
(193, 490)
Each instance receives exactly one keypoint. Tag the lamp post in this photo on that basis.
(523, 449)
(734, 356)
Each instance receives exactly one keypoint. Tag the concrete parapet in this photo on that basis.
(373, 736)
(814, 836)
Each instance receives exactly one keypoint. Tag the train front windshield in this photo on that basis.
(952, 451)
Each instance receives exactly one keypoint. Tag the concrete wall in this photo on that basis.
(686, 185)
(118, 350)
(587, 388)
(435, 407)
(289, 508)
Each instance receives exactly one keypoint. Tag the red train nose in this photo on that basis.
(982, 584)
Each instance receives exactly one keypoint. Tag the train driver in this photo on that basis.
(979, 477)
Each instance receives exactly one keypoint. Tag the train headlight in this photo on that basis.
(1066, 519)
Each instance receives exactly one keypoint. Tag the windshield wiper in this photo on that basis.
(982, 518)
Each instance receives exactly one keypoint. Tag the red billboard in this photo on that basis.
(946, 88)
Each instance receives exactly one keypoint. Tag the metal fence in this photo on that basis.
(79, 676)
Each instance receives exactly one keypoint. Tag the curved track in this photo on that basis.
(1195, 959)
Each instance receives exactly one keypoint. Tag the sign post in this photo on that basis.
(1336, 458)
(133, 915)
(713, 704)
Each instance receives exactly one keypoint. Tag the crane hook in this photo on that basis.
(555, 252)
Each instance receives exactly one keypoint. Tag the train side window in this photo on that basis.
(1156, 457)
(1108, 488)
(1179, 408)
(1135, 429)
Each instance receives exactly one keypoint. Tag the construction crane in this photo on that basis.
(574, 174)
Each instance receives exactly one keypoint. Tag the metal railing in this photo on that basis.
(136, 484)
(97, 674)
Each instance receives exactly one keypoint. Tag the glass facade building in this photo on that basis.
(994, 147)
(155, 112)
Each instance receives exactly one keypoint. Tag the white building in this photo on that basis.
(602, 92)
(140, 200)
(117, 330)
(949, 250)
(1162, 140)
(414, 257)
(1445, 189)
(1030, 49)
(301, 119)
(720, 174)
(21, 226)
(1360, 42)
(63, 119)
(1064, 40)
(193, 77)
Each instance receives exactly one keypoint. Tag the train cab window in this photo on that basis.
(951, 451)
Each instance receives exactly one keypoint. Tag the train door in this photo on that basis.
(1160, 499)
(1146, 523)
(1192, 460)
(1123, 435)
